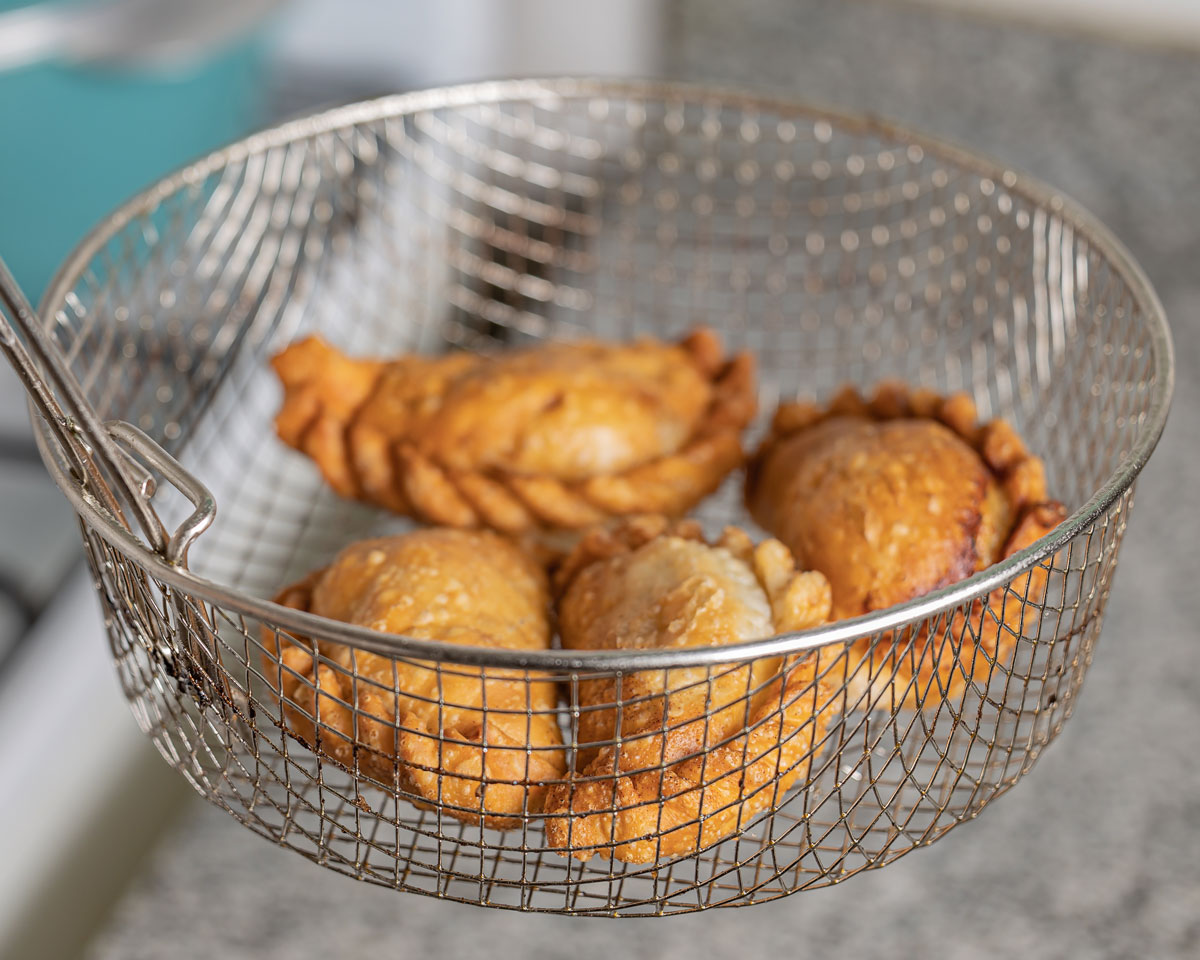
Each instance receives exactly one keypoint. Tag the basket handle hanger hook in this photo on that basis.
(109, 460)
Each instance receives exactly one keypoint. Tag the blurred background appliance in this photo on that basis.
(126, 90)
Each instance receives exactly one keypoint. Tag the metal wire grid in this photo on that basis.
(882, 782)
(838, 250)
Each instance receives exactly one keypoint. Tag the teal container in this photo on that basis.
(76, 141)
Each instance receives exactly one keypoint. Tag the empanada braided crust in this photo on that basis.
(561, 435)
(423, 727)
(691, 754)
(894, 497)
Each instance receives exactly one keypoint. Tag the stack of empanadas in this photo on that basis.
(691, 754)
(874, 503)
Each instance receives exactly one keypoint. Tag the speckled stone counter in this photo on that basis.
(1097, 852)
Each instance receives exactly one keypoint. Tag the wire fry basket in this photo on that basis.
(837, 248)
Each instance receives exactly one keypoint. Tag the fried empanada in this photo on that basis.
(691, 754)
(561, 435)
(894, 498)
(478, 744)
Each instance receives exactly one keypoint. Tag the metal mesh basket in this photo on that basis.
(838, 249)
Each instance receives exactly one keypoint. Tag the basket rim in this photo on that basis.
(99, 520)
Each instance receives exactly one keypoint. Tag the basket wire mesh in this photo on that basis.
(839, 250)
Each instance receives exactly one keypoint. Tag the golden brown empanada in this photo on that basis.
(894, 498)
(561, 435)
(701, 750)
(418, 726)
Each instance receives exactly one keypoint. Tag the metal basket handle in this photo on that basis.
(113, 460)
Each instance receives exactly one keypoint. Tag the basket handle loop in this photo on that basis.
(104, 468)
(135, 441)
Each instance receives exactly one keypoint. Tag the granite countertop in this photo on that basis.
(1097, 853)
